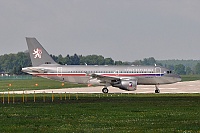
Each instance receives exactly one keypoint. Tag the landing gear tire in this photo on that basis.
(105, 90)
(157, 89)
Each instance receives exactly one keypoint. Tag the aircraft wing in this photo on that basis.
(108, 78)
(104, 77)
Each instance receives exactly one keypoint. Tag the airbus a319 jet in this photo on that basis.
(123, 77)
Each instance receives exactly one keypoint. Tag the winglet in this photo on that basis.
(37, 53)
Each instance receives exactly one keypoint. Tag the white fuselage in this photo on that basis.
(145, 75)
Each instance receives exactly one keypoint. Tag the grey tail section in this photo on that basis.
(37, 53)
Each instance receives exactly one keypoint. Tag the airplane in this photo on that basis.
(124, 77)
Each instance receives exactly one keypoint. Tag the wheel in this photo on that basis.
(157, 91)
(105, 90)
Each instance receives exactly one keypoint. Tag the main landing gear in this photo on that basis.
(157, 90)
(105, 90)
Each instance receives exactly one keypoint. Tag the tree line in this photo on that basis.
(13, 63)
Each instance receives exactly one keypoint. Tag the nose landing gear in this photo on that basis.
(157, 90)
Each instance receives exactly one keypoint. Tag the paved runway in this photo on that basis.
(180, 87)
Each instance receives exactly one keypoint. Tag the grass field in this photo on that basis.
(190, 77)
(30, 84)
(103, 113)
(96, 112)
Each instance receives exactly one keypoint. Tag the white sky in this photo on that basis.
(124, 30)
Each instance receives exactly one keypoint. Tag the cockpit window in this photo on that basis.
(168, 72)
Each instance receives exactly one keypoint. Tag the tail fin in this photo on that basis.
(37, 53)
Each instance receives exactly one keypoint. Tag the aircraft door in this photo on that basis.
(158, 71)
(59, 71)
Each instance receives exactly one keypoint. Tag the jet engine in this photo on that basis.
(129, 85)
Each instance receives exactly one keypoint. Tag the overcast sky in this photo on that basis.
(124, 30)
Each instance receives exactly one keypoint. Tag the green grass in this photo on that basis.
(96, 112)
(190, 77)
(102, 113)
(30, 84)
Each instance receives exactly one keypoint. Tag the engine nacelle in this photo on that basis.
(129, 85)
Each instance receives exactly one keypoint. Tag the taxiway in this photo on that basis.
(180, 87)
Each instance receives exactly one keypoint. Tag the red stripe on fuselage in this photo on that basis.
(106, 75)
(60, 74)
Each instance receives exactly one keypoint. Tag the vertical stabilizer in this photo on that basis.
(37, 53)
